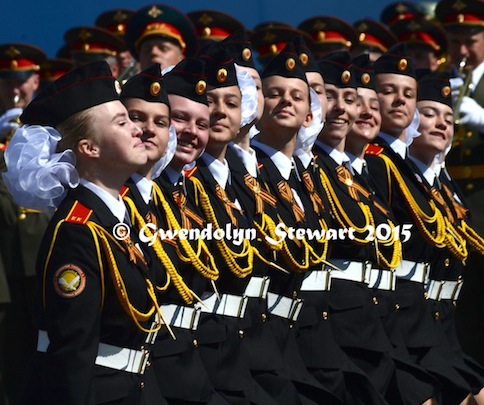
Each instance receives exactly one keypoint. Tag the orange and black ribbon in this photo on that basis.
(133, 251)
(286, 193)
(260, 194)
(308, 183)
(440, 199)
(186, 213)
(460, 210)
(229, 205)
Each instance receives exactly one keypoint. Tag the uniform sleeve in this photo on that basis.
(72, 310)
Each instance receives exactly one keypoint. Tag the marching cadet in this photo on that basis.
(434, 103)
(116, 21)
(95, 302)
(212, 25)
(161, 34)
(328, 34)
(425, 40)
(463, 24)
(286, 110)
(22, 228)
(89, 44)
(374, 38)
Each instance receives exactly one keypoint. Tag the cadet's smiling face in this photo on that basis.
(342, 112)
(191, 122)
(368, 121)
(436, 128)
(397, 95)
(157, 49)
(225, 105)
(153, 119)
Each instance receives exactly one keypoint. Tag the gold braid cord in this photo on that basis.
(437, 237)
(120, 288)
(228, 255)
(175, 278)
(184, 248)
(393, 242)
(472, 237)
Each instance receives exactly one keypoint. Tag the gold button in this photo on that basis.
(468, 152)
(263, 317)
(433, 233)
(294, 295)
(148, 364)
(467, 172)
(436, 316)
(375, 300)
(426, 295)
(195, 342)
(397, 307)
(241, 333)
(469, 135)
(325, 315)
(446, 262)
(22, 216)
(142, 385)
(469, 186)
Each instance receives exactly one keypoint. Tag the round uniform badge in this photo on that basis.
(69, 281)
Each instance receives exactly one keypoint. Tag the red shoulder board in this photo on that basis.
(3, 147)
(373, 149)
(189, 173)
(124, 190)
(260, 165)
(79, 214)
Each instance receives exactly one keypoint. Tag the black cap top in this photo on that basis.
(286, 64)
(115, 21)
(187, 79)
(336, 69)
(81, 88)
(422, 33)
(240, 48)
(88, 44)
(461, 14)
(396, 61)
(435, 87)
(163, 21)
(147, 85)
(219, 65)
(400, 10)
(305, 55)
(19, 61)
(374, 35)
(213, 25)
(363, 70)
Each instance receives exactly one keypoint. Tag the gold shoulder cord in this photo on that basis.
(471, 236)
(183, 290)
(184, 248)
(437, 238)
(101, 235)
(228, 255)
(343, 219)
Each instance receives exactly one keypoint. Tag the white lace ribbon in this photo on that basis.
(165, 160)
(248, 90)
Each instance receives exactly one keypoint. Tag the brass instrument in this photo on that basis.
(460, 133)
(130, 70)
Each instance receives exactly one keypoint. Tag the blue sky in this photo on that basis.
(43, 23)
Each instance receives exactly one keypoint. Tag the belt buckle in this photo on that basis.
(365, 269)
(426, 268)
(457, 288)
(242, 305)
(295, 309)
(194, 318)
(145, 354)
(264, 287)
(392, 280)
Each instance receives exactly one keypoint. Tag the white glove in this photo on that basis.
(8, 122)
(472, 114)
(455, 85)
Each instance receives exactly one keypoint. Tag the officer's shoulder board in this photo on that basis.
(190, 173)
(124, 190)
(260, 165)
(79, 214)
(373, 149)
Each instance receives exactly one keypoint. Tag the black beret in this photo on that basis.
(81, 88)
(286, 64)
(219, 65)
(187, 79)
(147, 85)
(239, 47)
(396, 61)
(363, 70)
(435, 87)
(336, 69)
(305, 55)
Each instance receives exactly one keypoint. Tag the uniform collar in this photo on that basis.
(356, 163)
(248, 158)
(280, 160)
(427, 172)
(115, 205)
(396, 144)
(219, 170)
(341, 158)
(144, 186)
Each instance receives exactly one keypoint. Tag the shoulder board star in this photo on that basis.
(79, 214)
(373, 149)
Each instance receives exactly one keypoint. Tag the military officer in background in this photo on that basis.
(22, 229)
(400, 10)
(212, 25)
(374, 38)
(161, 34)
(463, 21)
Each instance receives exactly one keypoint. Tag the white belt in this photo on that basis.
(382, 279)
(349, 270)
(412, 271)
(284, 307)
(228, 305)
(117, 358)
(257, 287)
(316, 280)
(444, 290)
(181, 316)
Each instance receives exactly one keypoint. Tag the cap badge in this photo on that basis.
(402, 65)
(117, 87)
(155, 89)
(304, 58)
(290, 64)
(222, 75)
(345, 76)
(365, 78)
(246, 54)
(446, 91)
(154, 12)
(200, 87)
